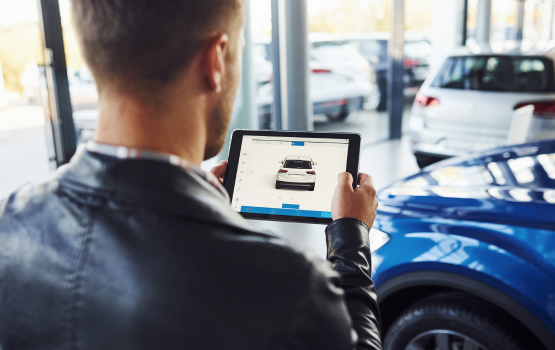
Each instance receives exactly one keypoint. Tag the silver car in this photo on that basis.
(296, 171)
(469, 104)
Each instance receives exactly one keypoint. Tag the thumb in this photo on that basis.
(219, 170)
(345, 181)
(365, 180)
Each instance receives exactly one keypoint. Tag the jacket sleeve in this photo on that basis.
(348, 244)
(339, 310)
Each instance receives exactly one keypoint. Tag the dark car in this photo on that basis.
(373, 46)
(466, 256)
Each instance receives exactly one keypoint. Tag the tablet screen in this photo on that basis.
(288, 175)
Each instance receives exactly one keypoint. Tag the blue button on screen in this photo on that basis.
(286, 211)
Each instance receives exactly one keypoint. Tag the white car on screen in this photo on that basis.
(298, 172)
(468, 105)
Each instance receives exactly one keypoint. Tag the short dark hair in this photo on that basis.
(147, 40)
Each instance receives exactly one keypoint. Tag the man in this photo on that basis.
(130, 246)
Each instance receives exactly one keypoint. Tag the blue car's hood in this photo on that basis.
(513, 185)
(475, 206)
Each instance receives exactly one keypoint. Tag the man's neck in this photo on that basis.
(126, 122)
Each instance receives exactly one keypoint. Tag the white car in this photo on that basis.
(296, 171)
(341, 80)
(469, 104)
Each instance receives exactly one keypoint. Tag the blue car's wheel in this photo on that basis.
(448, 322)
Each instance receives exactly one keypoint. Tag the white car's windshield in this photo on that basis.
(497, 73)
(297, 164)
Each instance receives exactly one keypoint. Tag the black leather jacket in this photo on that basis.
(139, 254)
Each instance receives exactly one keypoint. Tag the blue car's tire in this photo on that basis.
(453, 322)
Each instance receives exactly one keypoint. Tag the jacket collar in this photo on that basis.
(149, 183)
(133, 153)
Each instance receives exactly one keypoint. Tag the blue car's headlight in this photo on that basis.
(378, 239)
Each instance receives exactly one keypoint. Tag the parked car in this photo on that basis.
(297, 172)
(469, 104)
(341, 80)
(464, 253)
(373, 47)
(82, 90)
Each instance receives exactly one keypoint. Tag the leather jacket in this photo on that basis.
(139, 254)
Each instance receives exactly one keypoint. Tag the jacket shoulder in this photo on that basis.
(27, 196)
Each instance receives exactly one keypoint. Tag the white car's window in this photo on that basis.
(497, 73)
(297, 164)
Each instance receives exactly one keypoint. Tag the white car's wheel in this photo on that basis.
(341, 115)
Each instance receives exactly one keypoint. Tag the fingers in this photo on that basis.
(364, 179)
(345, 180)
(219, 170)
(366, 183)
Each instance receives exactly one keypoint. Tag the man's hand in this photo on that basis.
(360, 203)
(219, 170)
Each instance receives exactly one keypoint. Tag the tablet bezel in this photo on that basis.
(353, 154)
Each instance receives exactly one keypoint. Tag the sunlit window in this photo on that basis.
(522, 169)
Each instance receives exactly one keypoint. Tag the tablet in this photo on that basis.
(288, 176)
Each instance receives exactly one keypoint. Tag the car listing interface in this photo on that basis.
(288, 175)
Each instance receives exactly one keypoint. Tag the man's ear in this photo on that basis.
(214, 62)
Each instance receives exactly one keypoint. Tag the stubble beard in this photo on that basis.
(217, 127)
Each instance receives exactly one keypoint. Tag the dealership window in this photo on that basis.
(25, 145)
(536, 30)
(348, 62)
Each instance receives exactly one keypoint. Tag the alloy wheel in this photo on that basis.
(441, 339)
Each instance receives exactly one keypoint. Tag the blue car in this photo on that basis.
(465, 253)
